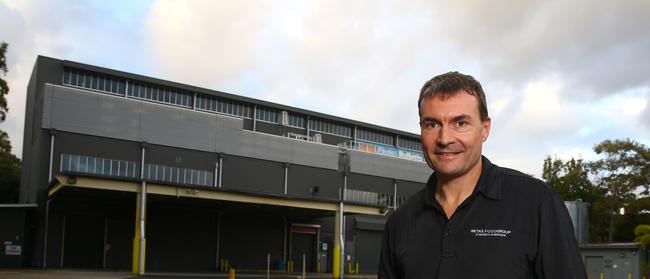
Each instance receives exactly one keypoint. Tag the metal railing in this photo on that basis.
(374, 198)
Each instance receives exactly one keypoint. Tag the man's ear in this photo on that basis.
(486, 128)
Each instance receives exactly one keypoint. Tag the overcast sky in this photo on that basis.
(560, 76)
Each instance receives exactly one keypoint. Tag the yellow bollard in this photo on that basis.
(231, 273)
(336, 262)
(356, 271)
(629, 275)
(317, 265)
(602, 275)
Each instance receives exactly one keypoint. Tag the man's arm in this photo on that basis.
(387, 265)
(558, 255)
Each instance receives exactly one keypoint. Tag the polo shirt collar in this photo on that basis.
(489, 183)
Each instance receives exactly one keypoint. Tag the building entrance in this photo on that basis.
(304, 241)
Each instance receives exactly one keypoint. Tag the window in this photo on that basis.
(267, 115)
(296, 121)
(165, 95)
(214, 104)
(330, 127)
(175, 175)
(374, 136)
(94, 81)
(412, 144)
(99, 166)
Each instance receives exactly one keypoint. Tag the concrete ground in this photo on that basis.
(101, 274)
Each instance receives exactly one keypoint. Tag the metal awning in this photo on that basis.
(62, 181)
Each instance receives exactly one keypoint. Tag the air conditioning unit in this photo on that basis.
(284, 118)
(318, 138)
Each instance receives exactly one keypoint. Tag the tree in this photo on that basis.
(4, 88)
(642, 236)
(9, 163)
(571, 180)
(623, 172)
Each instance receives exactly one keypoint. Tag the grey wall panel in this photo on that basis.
(276, 148)
(47, 106)
(385, 166)
(370, 183)
(181, 158)
(253, 175)
(301, 178)
(95, 114)
(98, 114)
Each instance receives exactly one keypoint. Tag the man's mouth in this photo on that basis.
(447, 154)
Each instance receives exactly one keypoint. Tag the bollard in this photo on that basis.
(304, 271)
(356, 270)
(602, 275)
(231, 273)
(629, 275)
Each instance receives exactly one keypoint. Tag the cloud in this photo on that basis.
(594, 45)
(558, 75)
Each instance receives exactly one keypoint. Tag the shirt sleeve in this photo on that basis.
(387, 265)
(558, 255)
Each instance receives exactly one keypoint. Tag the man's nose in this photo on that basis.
(444, 136)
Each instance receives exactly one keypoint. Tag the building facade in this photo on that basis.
(133, 172)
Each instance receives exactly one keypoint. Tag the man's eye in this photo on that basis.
(461, 123)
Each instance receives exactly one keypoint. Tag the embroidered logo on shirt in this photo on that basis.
(491, 232)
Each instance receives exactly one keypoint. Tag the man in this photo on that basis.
(474, 219)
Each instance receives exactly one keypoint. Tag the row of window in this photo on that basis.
(99, 166)
(128, 169)
(410, 144)
(208, 103)
(94, 81)
(265, 114)
(330, 127)
(212, 104)
(160, 94)
(374, 136)
(176, 175)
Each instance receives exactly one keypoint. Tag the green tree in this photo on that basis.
(571, 180)
(9, 163)
(642, 236)
(623, 172)
(4, 88)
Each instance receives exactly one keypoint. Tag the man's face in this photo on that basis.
(452, 134)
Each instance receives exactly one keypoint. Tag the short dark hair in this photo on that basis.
(449, 84)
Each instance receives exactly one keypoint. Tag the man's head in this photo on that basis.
(450, 84)
(454, 124)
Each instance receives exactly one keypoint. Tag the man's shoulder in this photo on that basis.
(512, 180)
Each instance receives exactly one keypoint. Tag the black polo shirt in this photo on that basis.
(512, 226)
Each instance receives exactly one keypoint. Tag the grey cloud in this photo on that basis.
(598, 45)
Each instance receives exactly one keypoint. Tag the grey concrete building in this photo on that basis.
(133, 172)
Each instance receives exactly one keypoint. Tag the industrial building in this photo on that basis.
(129, 172)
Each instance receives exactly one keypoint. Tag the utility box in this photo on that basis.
(14, 235)
(579, 212)
(613, 260)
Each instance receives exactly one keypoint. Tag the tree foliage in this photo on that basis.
(9, 163)
(4, 87)
(642, 235)
(620, 178)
